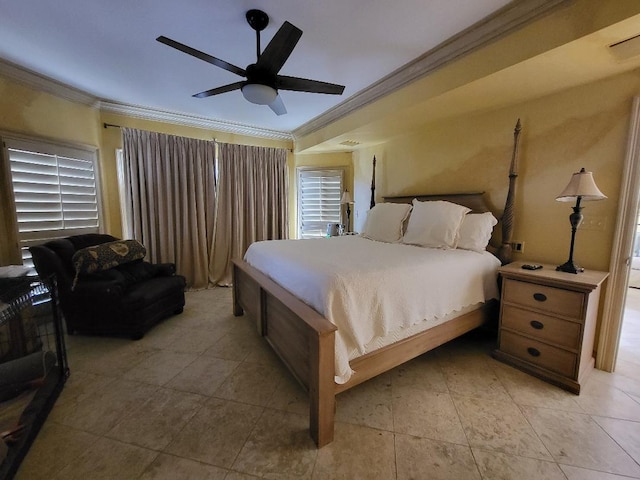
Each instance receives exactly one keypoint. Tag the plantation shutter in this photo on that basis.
(319, 193)
(55, 190)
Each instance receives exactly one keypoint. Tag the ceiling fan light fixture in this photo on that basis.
(259, 94)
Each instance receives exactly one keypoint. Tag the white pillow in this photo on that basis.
(475, 231)
(384, 222)
(434, 224)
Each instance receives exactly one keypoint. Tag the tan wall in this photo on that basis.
(586, 126)
(30, 112)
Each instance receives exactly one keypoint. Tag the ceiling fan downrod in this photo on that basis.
(258, 20)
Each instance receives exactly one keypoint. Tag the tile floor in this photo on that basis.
(201, 396)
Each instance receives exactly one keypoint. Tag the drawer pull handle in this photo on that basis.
(540, 297)
(534, 352)
(536, 324)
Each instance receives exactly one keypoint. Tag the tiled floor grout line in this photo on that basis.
(131, 351)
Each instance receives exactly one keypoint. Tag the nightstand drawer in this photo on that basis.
(543, 327)
(538, 353)
(551, 299)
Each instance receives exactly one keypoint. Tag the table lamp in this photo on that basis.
(347, 200)
(581, 187)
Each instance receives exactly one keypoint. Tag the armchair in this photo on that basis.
(124, 300)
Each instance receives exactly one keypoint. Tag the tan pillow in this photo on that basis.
(434, 224)
(384, 222)
(475, 231)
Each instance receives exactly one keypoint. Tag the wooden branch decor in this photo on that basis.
(505, 251)
(373, 185)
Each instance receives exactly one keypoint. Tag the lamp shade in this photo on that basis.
(259, 94)
(346, 197)
(581, 185)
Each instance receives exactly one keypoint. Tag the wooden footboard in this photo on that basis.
(386, 358)
(305, 341)
(300, 336)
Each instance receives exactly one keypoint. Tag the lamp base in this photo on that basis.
(569, 267)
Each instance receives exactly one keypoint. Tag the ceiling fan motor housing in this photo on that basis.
(257, 19)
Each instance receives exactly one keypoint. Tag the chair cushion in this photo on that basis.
(152, 290)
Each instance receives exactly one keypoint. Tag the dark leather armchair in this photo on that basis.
(125, 300)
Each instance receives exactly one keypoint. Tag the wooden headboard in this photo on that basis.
(475, 201)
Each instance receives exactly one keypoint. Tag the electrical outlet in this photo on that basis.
(517, 246)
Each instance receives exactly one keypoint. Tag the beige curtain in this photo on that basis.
(252, 203)
(171, 192)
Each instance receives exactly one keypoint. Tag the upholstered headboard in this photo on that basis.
(475, 201)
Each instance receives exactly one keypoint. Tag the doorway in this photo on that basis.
(628, 358)
(623, 254)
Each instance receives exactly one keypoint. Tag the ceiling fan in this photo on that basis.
(262, 80)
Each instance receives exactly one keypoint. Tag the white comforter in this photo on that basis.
(371, 289)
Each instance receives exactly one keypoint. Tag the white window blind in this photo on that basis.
(319, 193)
(55, 191)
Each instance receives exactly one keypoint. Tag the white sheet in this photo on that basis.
(371, 289)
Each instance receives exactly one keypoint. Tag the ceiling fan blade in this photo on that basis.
(278, 106)
(279, 48)
(306, 85)
(219, 90)
(202, 56)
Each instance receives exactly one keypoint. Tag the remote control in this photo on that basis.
(529, 266)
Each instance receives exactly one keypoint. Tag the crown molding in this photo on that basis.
(192, 121)
(511, 17)
(42, 83)
(32, 79)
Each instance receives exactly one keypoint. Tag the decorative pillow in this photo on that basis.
(475, 231)
(434, 224)
(105, 256)
(384, 222)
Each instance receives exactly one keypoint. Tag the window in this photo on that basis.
(319, 193)
(125, 205)
(55, 190)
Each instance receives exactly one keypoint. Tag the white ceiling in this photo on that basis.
(108, 49)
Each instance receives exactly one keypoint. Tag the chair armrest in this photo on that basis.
(165, 269)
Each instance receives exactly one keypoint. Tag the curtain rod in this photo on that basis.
(107, 125)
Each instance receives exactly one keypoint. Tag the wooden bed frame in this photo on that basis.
(305, 340)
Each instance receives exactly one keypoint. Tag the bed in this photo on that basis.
(310, 344)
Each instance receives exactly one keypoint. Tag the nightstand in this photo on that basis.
(548, 322)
